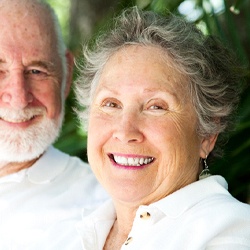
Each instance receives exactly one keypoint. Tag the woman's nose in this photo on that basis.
(16, 93)
(128, 129)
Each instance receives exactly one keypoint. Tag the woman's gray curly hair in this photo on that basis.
(214, 78)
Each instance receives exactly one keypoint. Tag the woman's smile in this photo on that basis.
(130, 161)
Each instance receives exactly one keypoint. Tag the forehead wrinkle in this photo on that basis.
(105, 87)
(163, 90)
(50, 66)
(160, 88)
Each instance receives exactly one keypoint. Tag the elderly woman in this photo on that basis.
(157, 93)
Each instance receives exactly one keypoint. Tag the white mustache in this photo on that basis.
(23, 114)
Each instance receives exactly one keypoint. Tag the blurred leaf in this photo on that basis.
(235, 8)
(162, 5)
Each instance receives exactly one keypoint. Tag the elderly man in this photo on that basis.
(42, 190)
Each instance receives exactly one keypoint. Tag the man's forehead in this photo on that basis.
(25, 10)
(24, 24)
(34, 4)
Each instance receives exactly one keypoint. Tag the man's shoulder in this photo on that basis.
(62, 157)
(71, 163)
(72, 175)
(56, 166)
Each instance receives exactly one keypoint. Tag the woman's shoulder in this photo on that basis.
(223, 206)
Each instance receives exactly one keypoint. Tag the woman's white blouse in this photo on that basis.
(202, 215)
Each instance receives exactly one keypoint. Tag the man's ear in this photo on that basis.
(70, 66)
(207, 145)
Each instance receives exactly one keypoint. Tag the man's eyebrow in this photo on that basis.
(43, 64)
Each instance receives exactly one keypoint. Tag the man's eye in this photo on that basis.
(36, 74)
(35, 71)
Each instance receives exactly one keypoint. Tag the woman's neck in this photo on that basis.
(121, 227)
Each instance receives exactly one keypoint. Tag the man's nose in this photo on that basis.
(16, 92)
(128, 129)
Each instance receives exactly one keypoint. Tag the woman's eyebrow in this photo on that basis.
(107, 89)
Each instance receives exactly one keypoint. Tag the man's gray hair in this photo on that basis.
(61, 47)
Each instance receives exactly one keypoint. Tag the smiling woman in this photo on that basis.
(160, 93)
(138, 125)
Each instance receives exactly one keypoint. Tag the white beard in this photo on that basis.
(20, 145)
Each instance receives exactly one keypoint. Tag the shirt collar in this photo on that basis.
(180, 201)
(174, 204)
(52, 163)
(15, 177)
(95, 226)
(44, 170)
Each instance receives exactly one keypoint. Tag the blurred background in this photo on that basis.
(227, 19)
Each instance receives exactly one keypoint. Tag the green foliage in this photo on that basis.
(235, 165)
(62, 11)
(232, 24)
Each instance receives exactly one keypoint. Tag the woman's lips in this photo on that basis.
(131, 161)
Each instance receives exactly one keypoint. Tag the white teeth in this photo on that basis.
(131, 161)
(141, 160)
(137, 160)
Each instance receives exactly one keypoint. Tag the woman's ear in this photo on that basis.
(70, 65)
(207, 145)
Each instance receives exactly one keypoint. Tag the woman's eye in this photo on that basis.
(111, 104)
(158, 107)
(155, 107)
